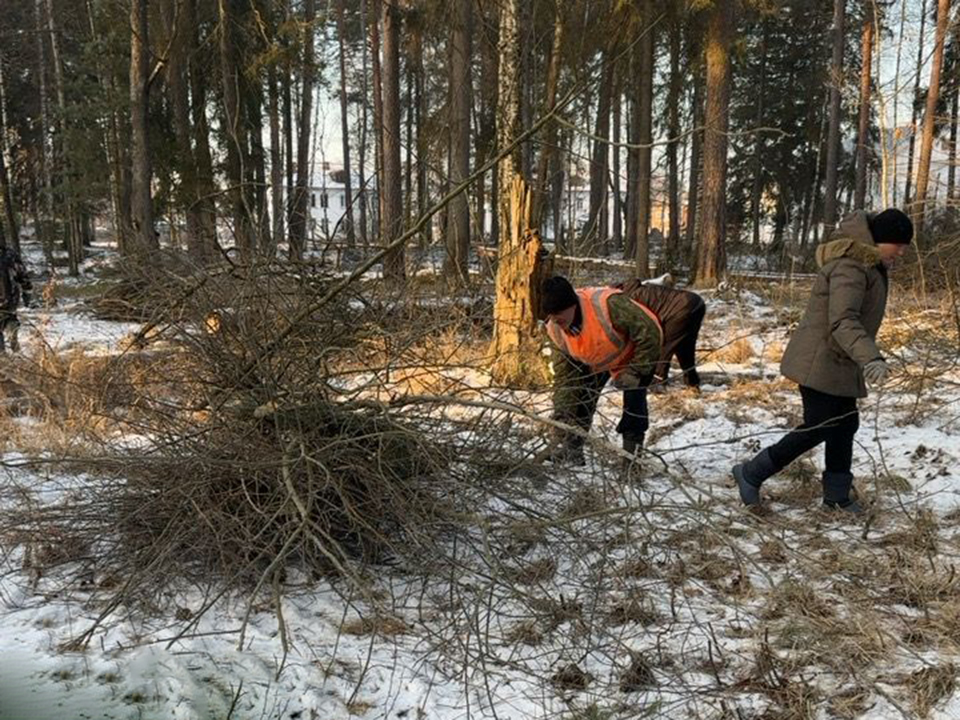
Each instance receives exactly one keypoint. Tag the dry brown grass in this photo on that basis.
(918, 585)
(638, 676)
(773, 352)
(359, 707)
(634, 608)
(849, 704)
(533, 573)
(773, 551)
(794, 598)
(571, 678)
(384, 626)
(526, 632)
(922, 535)
(679, 407)
(757, 393)
(736, 352)
(637, 567)
(772, 675)
(929, 685)
(585, 501)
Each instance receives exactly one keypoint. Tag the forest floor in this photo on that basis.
(656, 597)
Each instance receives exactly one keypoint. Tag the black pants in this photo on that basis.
(680, 340)
(635, 419)
(828, 419)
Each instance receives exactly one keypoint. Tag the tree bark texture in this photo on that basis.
(930, 116)
(833, 134)
(863, 126)
(392, 222)
(711, 251)
(515, 347)
(144, 238)
(458, 159)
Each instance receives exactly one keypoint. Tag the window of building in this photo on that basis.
(313, 199)
(324, 200)
(343, 201)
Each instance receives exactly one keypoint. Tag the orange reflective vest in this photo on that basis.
(598, 344)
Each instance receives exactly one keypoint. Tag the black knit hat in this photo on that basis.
(892, 226)
(558, 295)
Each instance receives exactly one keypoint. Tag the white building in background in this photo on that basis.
(327, 201)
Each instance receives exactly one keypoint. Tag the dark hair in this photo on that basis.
(557, 295)
(892, 226)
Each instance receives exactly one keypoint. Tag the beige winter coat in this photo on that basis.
(837, 335)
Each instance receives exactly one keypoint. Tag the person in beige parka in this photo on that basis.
(833, 354)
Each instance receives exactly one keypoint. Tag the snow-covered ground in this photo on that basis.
(614, 599)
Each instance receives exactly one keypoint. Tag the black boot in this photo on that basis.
(836, 492)
(633, 444)
(751, 474)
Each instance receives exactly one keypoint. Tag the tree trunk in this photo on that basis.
(255, 173)
(288, 131)
(527, 38)
(144, 239)
(711, 252)
(633, 162)
(237, 141)
(645, 128)
(458, 158)
(813, 196)
(377, 113)
(72, 235)
(952, 157)
(423, 188)
(362, 144)
(412, 155)
(833, 135)
(863, 128)
(915, 105)
(392, 221)
(521, 271)
(556, 191)
(190, 194)
(549, 151)
(591, 238)
(206, 188)
(671, 251)
(9, 225)
(46, 163)
(930, 116)
(896, 100)
(9, 221)
(520, 268)
(617, 197)
(299, 216)
(758, 149)
(487, 130)
(276, 163)
(696, 157)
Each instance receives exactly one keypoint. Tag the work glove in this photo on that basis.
(875, 372)
(627, 380)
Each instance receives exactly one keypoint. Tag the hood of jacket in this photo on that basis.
(852, 239)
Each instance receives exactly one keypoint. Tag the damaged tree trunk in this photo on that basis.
(522, 267)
